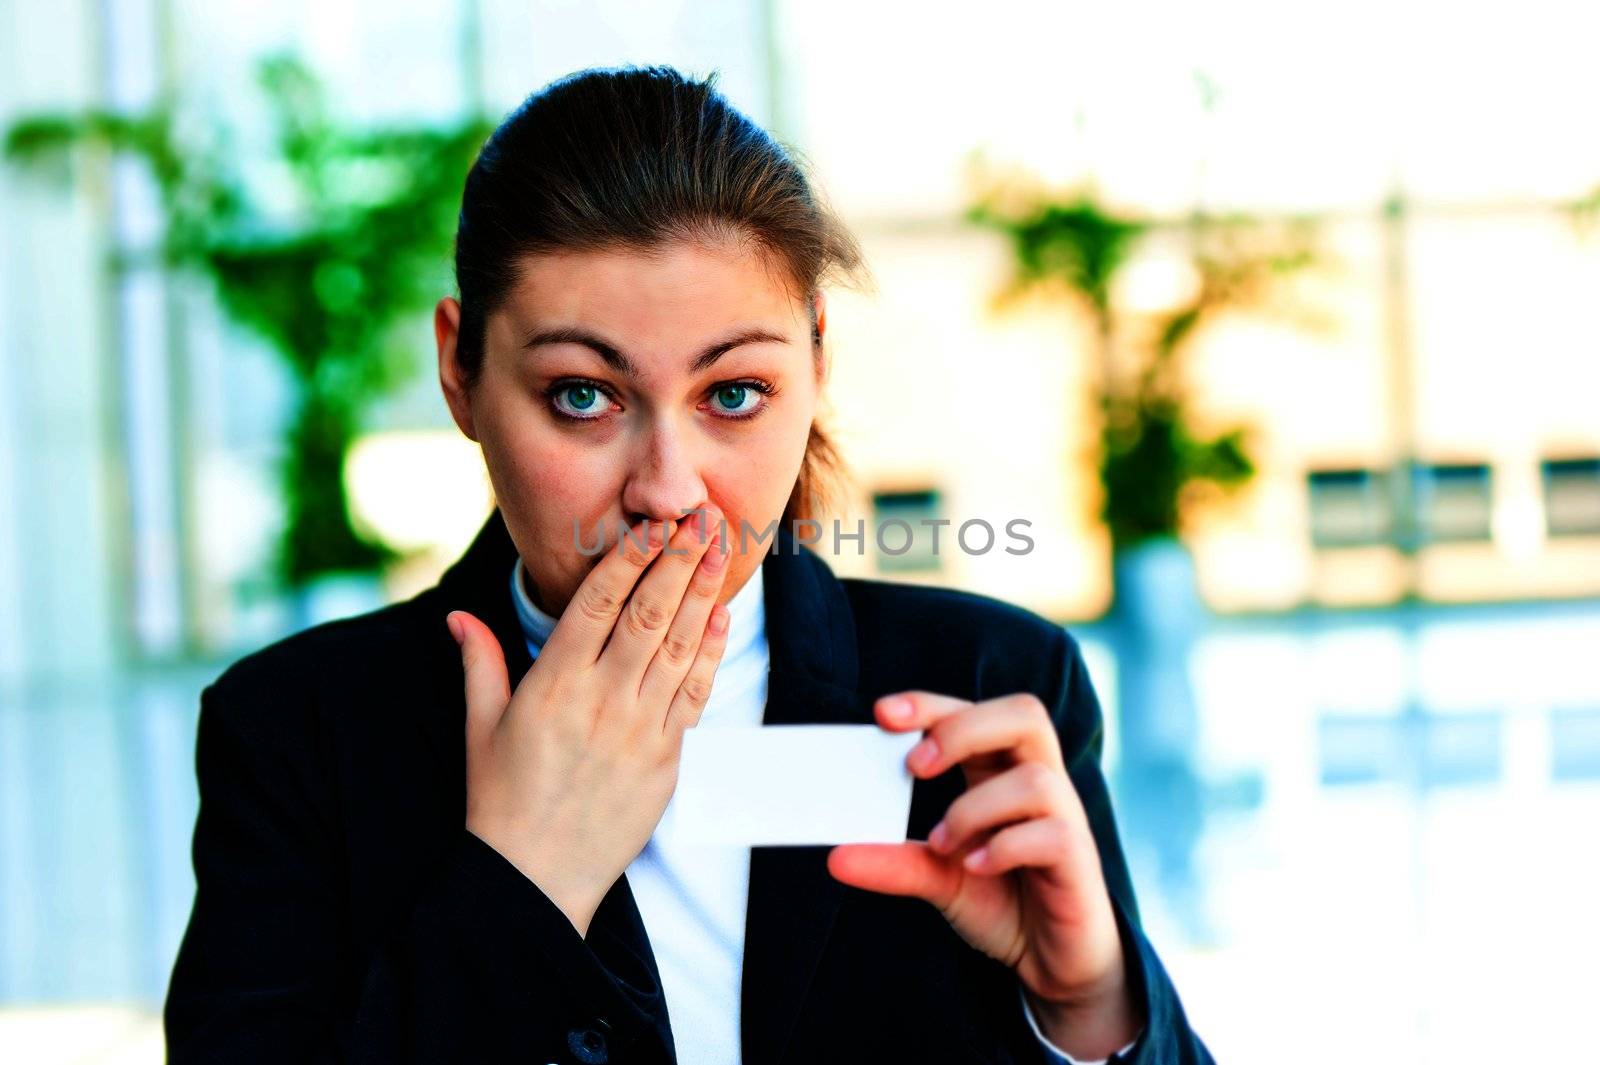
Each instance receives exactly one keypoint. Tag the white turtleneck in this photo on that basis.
(692, 898)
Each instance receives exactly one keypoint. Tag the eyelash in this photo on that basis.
(765, 388)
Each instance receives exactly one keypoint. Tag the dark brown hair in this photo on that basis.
(636, 157)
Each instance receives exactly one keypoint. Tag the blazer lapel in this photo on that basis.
(812, 677)
(480, 582)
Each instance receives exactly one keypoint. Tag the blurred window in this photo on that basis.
(889, 511)
(1453, 501)
(1575, 744)
(1571, 496)
(1349, 508)
(1430, 750)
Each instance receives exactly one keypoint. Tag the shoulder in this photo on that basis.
(941, 609)
(306, 655)
(1002, 646)
(282, 688)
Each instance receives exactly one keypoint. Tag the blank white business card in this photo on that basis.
(790, 785)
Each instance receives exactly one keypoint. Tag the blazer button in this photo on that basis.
(589, 1045)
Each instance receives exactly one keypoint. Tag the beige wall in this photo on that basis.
(931, 387)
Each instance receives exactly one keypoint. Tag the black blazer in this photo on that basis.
(343, 912)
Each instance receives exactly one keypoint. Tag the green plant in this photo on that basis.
(1153, 460)
(344, 249)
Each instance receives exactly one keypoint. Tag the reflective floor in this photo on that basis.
(1385, 848)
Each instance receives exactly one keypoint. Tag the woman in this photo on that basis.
(427, 833)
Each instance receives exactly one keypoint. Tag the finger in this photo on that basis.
(483, 663)
(1010, 729)
(1054, 844)
(909, 710)
(1021, 793)
(896, 869)
(654, 603)
(679, 648)
(587, 622)
(694, 691)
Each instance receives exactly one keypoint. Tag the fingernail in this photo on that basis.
(923, 754)
(657, 534)
(719, 620)
(455, 628)
(977, 859)
(897, 709)
(714, 557)
(940, 836)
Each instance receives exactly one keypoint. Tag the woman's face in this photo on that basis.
(622, 384)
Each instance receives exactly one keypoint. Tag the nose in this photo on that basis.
(663, 481)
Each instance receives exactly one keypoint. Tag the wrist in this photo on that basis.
(1093, 1025)
(574, 897)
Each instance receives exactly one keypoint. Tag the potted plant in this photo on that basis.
(351, 244)
(1156, 466)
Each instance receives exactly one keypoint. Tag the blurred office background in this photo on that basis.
(1353, 714)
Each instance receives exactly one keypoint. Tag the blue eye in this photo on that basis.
(582, 400)
(738, 400)
(731, 398)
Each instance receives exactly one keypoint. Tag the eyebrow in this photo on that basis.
(622, 364)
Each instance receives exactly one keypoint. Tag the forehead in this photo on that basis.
(667, 294)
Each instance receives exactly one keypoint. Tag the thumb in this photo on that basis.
(484, 665)
(908, 868)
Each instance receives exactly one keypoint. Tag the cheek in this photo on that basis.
(543, 478)
(775, 450)
(564, 480)
(763, 464)
(753, 483)
(787, 460)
